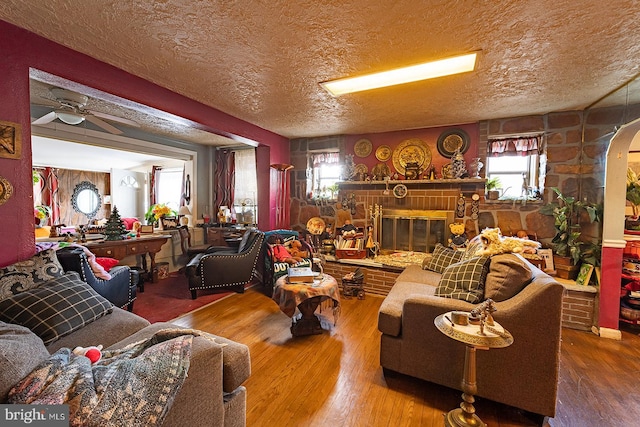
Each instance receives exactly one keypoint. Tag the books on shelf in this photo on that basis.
(301, 275)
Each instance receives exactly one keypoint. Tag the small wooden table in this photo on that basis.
(306, 298)
(119, 249)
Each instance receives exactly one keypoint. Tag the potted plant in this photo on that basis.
(492, 186)
(568, 248)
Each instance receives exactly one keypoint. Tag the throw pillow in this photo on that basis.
(29, 274)
(464, 280)
(441, 258)
(107, 263)
(508, 275)
(20, 352)
(55, 309)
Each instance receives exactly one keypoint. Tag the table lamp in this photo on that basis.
(182, 213)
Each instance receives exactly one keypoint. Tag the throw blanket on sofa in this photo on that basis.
(133, 386)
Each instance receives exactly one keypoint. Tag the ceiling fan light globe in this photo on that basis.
(70, 118)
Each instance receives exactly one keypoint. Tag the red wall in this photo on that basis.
(22, 50)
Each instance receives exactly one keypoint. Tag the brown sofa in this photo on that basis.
(529, 306)
(64, 311)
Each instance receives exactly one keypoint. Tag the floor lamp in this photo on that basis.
(281, 194)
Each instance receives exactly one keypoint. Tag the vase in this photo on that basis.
(476, 166)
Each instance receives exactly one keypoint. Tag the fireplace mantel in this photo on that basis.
(466, 186)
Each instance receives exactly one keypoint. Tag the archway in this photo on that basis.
(613, 241)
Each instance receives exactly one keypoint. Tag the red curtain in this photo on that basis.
(522, 146)
(225, 179)
(49, 195)
(153, 187)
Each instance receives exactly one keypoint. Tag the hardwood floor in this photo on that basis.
(335, 379)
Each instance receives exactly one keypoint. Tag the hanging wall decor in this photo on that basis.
(6, 190)
(460, 206)
(10, 140)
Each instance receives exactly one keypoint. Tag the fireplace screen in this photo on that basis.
(414, 230)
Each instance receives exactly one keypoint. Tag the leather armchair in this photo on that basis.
(120, 290)
(228, 269)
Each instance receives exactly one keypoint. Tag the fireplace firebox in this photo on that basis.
(414, 230)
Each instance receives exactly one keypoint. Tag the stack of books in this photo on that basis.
(301, 275)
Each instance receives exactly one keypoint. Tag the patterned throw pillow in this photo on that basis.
(464, 280)
(442, 257)
(29, 274)
(56, 308)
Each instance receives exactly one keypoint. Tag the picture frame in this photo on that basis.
(584, 275)
(547, 256)
(169, 222)
(10, 140)
(146, 229)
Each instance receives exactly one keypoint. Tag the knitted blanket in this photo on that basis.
(133, 386)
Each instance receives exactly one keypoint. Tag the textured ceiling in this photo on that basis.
(261, 61)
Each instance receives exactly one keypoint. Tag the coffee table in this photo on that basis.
(306, 298)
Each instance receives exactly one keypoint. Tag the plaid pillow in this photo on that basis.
(464, 280)
(442, 257)
(55, 309)
(29, 274)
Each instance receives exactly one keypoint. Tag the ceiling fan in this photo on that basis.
(69, 109)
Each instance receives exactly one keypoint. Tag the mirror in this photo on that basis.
(86, 199)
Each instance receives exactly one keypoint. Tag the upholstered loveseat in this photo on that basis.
(212, 393)
(529, 306)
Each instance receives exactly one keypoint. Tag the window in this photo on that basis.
(519, 164)
(246, 187)
(170, 187)
(325, 173)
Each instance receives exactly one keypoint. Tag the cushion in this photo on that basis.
(464, 280)
(29, 274)
(441, 258)
(56, 308)
(107, 263)
(128, 222)
(508, 275)
(20, 352)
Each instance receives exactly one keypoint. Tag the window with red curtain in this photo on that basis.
(519, 163)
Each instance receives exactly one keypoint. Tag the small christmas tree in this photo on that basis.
(115, 228)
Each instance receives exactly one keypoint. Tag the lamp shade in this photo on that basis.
(184, 210)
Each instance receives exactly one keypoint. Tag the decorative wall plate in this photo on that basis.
(361, 168)
(363, 148)
(380, 171)
(383, 153)
(6, 190)
(447, 173)
(400, 191)
(451, 140)
(412, 150)
(316, 226)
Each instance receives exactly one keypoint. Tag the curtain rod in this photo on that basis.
(516, 135)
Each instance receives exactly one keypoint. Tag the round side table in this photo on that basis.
(491, 335)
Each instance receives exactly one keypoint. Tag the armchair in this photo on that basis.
(228, 269)
(274, 269)
(120, 290)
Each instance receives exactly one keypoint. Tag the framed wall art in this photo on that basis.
(10, 140)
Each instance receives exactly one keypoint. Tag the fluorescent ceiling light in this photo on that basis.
(413, 73)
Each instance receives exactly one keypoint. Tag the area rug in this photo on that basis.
(170, 298)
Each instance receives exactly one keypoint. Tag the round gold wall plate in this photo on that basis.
(383, 153)
(412, 150)
(6, 190)
(451, 140)
(316, 226)
(400, 191)
(361, 168)
(363, 148)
